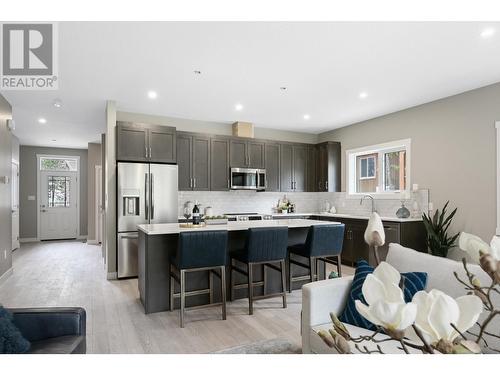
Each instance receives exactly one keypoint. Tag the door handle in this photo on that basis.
(146, 195)
(152, 196)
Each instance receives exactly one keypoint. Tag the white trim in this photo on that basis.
(92, 242)
(6, 275)
(351, 160)
(497, 126)
(79, 238)
(29, 239)
(112, 276)
(79, 172)
(97, 206)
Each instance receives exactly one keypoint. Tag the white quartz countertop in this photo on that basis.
(348, 216)
(173, 228)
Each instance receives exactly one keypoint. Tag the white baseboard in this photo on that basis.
(7, 273)
(112, 276)
(25, 240)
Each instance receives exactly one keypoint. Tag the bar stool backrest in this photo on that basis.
(266, 244)
(325, 240)
(199, 249)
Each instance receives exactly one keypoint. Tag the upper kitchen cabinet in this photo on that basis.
(272, 164)
(328, 166)
(312, 161)
(145, 142)
(293, 168)
(246, 154)
(219, 164)
(193, 160)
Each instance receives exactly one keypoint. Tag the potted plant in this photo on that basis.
(438, 240)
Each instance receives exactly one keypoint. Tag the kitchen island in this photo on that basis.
(158, 243)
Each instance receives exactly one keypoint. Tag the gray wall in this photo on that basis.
(5, 189)
(110, 189)
(452, 152)
(28, 186)
(94, 158)
(216, 127)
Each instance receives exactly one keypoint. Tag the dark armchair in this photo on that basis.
(53, 330)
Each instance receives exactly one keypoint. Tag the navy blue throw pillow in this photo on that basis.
(413, 282)
(11, 339)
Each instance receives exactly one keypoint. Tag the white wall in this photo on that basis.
(453, 152)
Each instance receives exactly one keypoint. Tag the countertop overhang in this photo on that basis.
(175, 228)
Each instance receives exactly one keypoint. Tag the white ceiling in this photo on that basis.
(324, 66)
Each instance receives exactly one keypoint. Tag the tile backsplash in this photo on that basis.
(265, 202)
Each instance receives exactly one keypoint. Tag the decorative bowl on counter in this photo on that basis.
(215, 220)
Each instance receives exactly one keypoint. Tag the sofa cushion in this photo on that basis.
(69, 344)
(11, 339)
(319, 347)
(413, 282)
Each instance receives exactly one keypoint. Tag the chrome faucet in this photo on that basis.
(370, 197)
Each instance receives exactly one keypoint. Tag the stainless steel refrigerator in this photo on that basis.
(147, 194)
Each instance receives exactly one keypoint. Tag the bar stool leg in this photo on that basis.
(210, 287)
(283, 282)
(264, 276)
(250, 288)
(290, 282)
(339, 266)
(317, 269)
(311, 268)
(231, 280)
(223, 290)
(171, 291)
(183, 295)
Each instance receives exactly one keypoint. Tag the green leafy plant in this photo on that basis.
(438, 240)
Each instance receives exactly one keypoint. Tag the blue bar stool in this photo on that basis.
(266, 246)
(323, 242)
(199, 251)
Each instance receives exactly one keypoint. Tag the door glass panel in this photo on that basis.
(58, 191)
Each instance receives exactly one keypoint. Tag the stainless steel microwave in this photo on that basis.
(248, 179)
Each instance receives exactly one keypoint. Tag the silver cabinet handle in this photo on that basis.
(146, 151)
(129, 237)
(152, 196)
(292, 185)
(228, 183)
(194, 183)
(191, 182)
(326, 185)
(146, 195)
(150, 155)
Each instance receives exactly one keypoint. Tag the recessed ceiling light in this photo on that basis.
(307, 117)
(197, 71)
(152, 94)
(57, 103)
(41, 120)
(488, 32)
(363, 95)
(238, 107)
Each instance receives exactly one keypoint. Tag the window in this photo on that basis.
(58, 191)
(379, 169)
(58, 164)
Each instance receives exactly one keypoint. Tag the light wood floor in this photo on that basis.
(72, 274)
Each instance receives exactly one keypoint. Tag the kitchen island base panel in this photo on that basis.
(155, 252)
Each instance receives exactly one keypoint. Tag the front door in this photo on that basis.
(58, 205)
(15, 206)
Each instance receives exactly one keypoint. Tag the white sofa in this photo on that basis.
(325, 296)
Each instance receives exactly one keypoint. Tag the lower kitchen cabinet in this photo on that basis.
(410, 234)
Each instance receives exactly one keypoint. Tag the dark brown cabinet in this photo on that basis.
(410, 234)
(272, 165)
(145, 142)
(293, 167)
(312, 160)
(193, 160)
(219, 164)
(246, 154)
(328, 166)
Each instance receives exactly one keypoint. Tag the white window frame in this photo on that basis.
(370, 156)
(382, 148)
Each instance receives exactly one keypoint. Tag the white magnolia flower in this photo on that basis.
(472, 245)
(436, 312)
(386, 304)
(374, 233)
